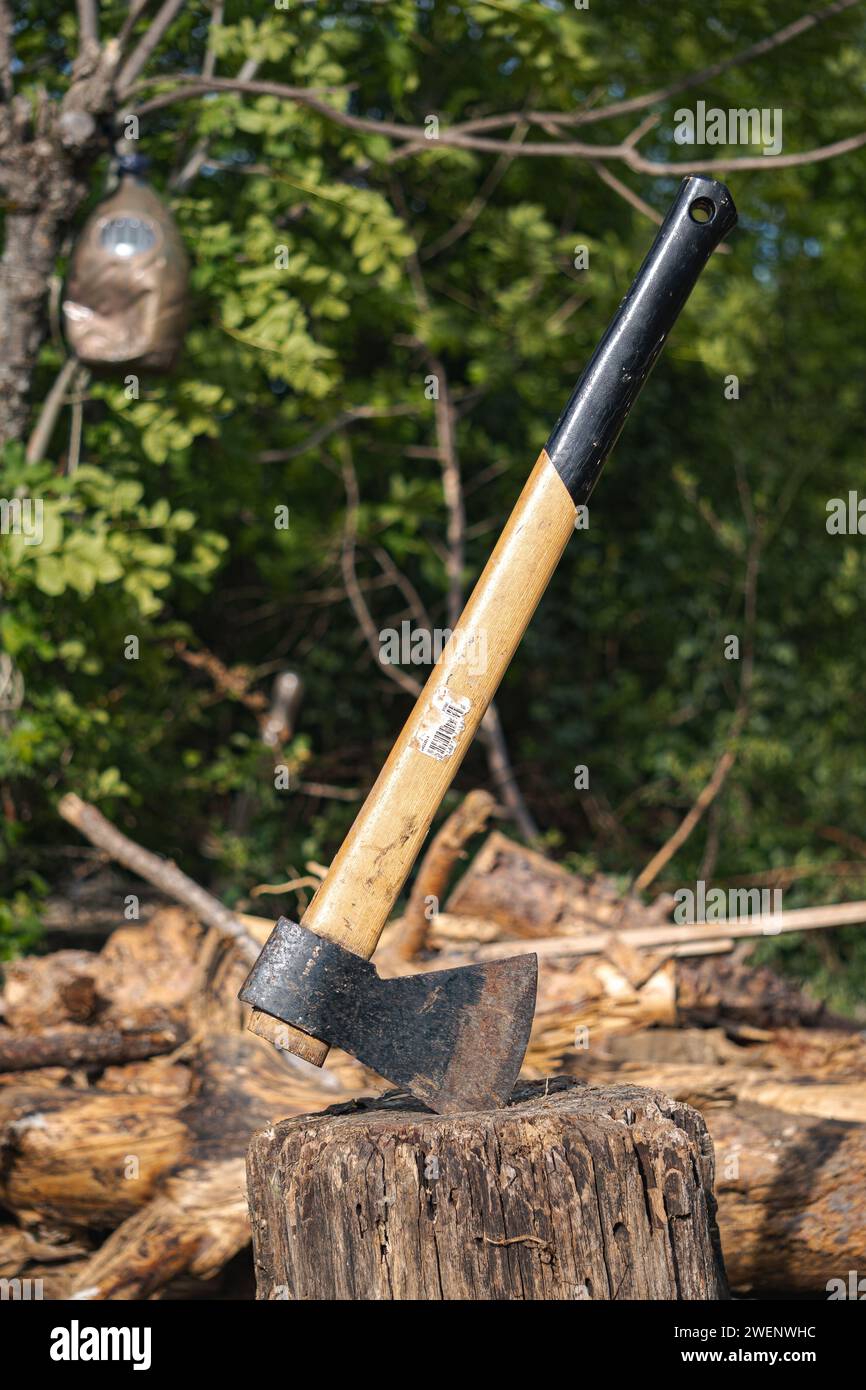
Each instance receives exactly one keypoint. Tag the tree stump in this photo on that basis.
(570, 1192)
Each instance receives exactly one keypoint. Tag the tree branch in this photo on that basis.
(350, 576)
(634, 200)
(246, 72)
(136, 10)
(720, 772)
(594, 115)
(457, 136)
(695, 79)
(490, 733)
(162, 873)
(339, 422)
(88, 27)
(475, 208)
(52, 405)
(452, 491)
(146, 45)
(6, 84)
(400, 581)
(623, 191)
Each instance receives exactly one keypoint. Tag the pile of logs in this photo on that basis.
(130, 1088)
(122, 1172)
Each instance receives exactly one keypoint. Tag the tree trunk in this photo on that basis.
(569, 1193)
(28, 259)
(47, 150)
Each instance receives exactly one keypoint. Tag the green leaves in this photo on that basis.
(20, 919)
(96, 532)
(307, 305)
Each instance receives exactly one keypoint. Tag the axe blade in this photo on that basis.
(453, 1038)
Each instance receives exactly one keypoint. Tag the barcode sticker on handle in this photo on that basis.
(443, 726)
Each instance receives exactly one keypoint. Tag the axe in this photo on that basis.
(456, 1038)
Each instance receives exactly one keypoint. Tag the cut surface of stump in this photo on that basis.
(570, 1192)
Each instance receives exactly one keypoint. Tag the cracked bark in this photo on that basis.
(571, 1192)
(46, 156)
(28, 259)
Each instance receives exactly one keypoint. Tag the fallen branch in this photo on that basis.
(290, 886)
(437, 866)
(70, 1047)
(700, 934)
(162, 873)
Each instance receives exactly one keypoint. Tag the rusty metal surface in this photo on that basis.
(454, 1038)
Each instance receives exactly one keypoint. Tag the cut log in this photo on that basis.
(74, 1046)
(529, 895)
(570, 1192)
(101, 1154)
(799, 1071)
(789, 1160)
(792, 1201)
(709, 1087)
(84, 1157)
(138, 969)
(60, 988)
(709, 990)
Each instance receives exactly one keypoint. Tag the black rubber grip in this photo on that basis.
(702, 213)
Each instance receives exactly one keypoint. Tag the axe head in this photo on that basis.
(453, 1038)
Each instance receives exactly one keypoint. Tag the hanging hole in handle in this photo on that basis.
(702, 210)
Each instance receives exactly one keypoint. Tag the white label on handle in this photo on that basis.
(441, 729)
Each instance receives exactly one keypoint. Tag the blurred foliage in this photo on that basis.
(299, 232)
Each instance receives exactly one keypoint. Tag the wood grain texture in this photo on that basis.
(76, 1046)
(366, 876)
(526, 894)
(571, 1192)
(792, 1198)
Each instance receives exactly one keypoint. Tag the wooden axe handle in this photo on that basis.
(365, 879)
